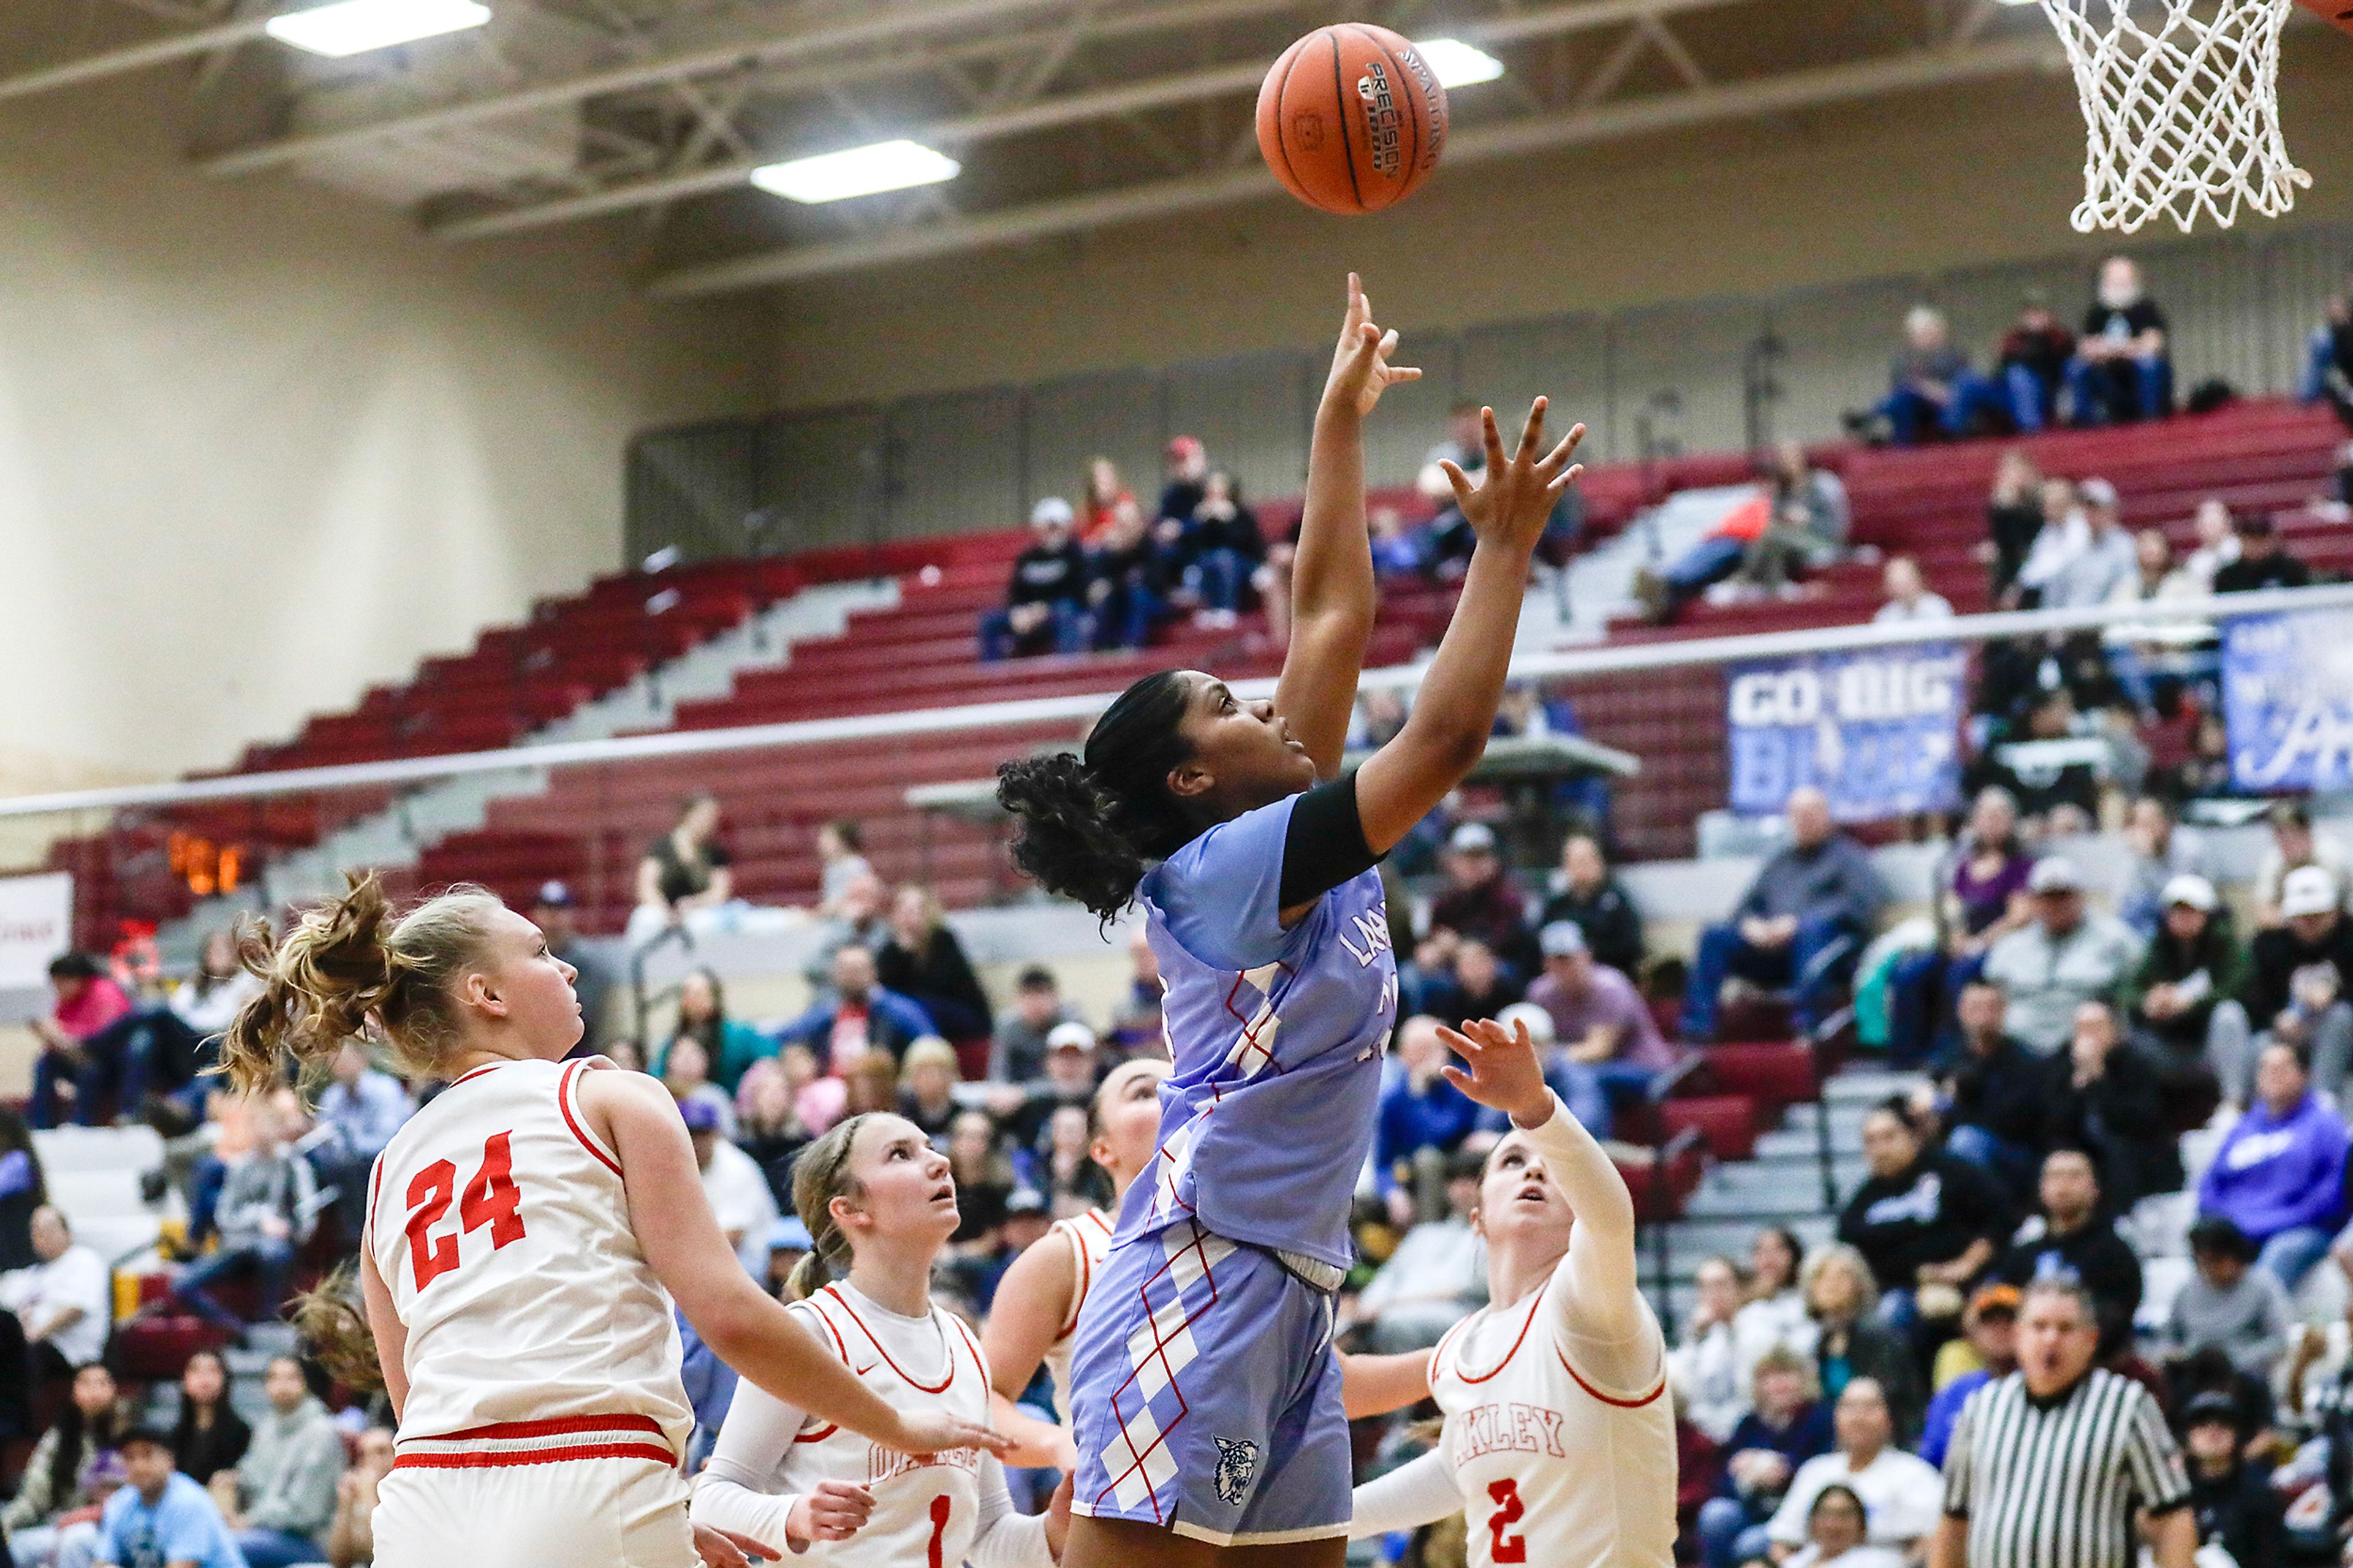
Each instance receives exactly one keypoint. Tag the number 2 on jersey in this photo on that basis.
(1509, 1511)
(491, 1199)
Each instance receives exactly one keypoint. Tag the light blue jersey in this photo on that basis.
(1276, 1036)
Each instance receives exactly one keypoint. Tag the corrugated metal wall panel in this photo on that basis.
(1253, 413)
(955, 464)
(823, 474)
(1066, 423)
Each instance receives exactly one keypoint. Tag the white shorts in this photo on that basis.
(574, 1513)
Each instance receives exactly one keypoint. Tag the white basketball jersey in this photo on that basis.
(1553, 1470)
(498, 1221)
(926, 1506)
(1089, 1237)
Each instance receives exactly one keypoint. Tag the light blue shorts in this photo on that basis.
(1206, 1396)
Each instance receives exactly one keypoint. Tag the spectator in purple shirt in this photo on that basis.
(2279, 1175)
(1983, 899)
(1608, 1040)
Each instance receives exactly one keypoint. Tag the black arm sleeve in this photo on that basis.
(1325, 844)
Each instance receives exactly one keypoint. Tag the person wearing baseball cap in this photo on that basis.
(2232, 1501)
(1987, 1349)
(1045, 601)
(2102, 561)
(1185, 464)
(732, 1181)
(2182, 1003)
(2066, 955)
(2263, 562)
(2295, 842)
(1482, 900)
(556, 914)
(2303, 975)
(1608, 1040)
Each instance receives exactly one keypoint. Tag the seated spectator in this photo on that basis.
(23, 1189)
(1066, 1167)
(685, 1070)
(685, 873)
(818, 1097)
(1398, 549)
(736, 1187)
(1127, 586)
(208, 1000)
(2106, 1100)
(1704, 1369)
(2150, 661)
(556, 914)
(2103, 559)
(2264, 561)
(1994, 1095)
(1850, 1341)
(1774, 1314)
(1908, 596)
(1807, 527)
(1423, 1118)
(65, 1302)
(841, 864)
(769, 1127)
(2217, 535)
(923, 962)
(1932, 391)
(2032, 363)
(1437, 1276)
(2300, 988)
(1788, 1425)
(985, 1180)
(2121, 372)
(855, 1015)
(2279, 1175)
(208, 1435)
(1218, 551)
(350, 1538)
(269, 1206)
(2056, 799)
(1482, 901)
(1474, 983)
(1981, 898)
(286, 1483)
(2157, 850)
(2182, 1004)
(1927, 1223)
(871, 1084)
(1901, 1493)
(1706, 563)
(2329, 364)
(1073, 1069)
(2228, 1304)
(1608, 1043)
(2014, 517)
(71, 1078)
(1105, 492)
(1185, 467)
(361, 1107)
(2076, 1241)
(2295, 844)
(2057, 541)
(2066, 955)
(1588, 894)
(2235, 1507)
(1989, 1340)
(160, 1516)
(1017, 1051)
(928, 1079)
(56, 1478)
(1837, 1535)
(1137, 1027)
(1045, 601)
(1800, 925)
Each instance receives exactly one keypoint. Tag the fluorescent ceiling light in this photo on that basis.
(1457, 63)
(856, 172)
(355, 27)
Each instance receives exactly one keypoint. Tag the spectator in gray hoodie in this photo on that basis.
(2067, 955)
(287, 1482)
(2229, 1304)
(269, 1206)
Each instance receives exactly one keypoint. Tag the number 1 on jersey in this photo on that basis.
(491, 1199)
(942, 1508)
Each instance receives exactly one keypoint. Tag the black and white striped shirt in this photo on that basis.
(2053, 1483)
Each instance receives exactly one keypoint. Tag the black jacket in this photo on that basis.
(2097, 1258)
(2239, 1511)
(2279, 953)
(1612, 924)
(2003, 1093)
(1043, 576)
(2119, 1118)
(1929, 1214)
(940, 972)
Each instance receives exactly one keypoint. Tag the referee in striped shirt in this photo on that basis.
(2050, 1467)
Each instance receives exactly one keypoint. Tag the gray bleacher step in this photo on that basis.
(1777, 1187)
(1845, 1122)
(1865, 1086)
(1698, 1238)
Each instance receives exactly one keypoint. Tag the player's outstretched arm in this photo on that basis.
(1455, 709)
(1377, 1385)
(1031, 1304)
(1415, 1494)
(682, 1242)
(390, 1333)
(1332, 593)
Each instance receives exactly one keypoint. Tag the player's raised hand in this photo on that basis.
(833, 1511)
(1361, 371)
(920, 1434)
(1500, 1069)
(725, 1549)
(1513, 498)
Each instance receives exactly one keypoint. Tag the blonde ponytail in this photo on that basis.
(348, 968)
(821, 1175)
(333, 1323)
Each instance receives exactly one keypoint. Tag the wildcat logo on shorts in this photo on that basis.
(1237, 1463)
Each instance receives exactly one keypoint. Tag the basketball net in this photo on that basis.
(2182, 114)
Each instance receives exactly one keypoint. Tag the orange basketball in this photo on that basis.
(1351, 119)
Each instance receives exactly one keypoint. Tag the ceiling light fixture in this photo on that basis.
(1457, 63)
(355, 27)
(856, 172)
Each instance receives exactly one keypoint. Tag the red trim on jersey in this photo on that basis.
(978, 1360)
(552, 1427)
(564, 1104)
(1529, 1322)
(375, 1190)
(1609, 1400)
(816, 1436)
(917, 1383)
(542, 1456)
(839, 1348)
(486, 1066)
(1070, 1230)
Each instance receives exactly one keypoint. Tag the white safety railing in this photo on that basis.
(1616, 658)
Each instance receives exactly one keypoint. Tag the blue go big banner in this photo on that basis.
(2288, 700)
(1877, 729)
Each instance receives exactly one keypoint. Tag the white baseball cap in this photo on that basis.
(2192, 890)
(1539, 1022)
(1472, 838)
(1053, 512)
(1071, 1036)
(2309, 890)
(2054, 874)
